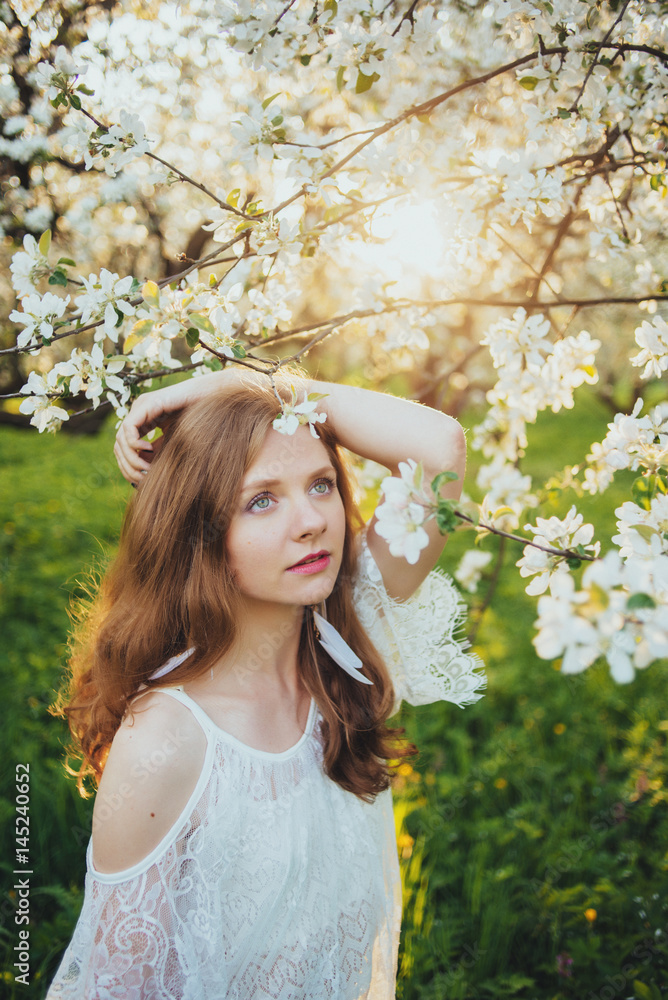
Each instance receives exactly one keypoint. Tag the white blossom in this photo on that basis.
(643, 533)
(634, 442)
(28, 266)
(554, 533)
(38, 317)
(104, 298)
(469, 572)
(294, 415)
(46, 416)
(57, 77)
(90, 373)
(405, 508)
(652, 337)
(507, 493)
(119, 145)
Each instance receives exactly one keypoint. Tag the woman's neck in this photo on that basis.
(264, 655)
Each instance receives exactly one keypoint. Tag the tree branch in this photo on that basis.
(574, 105)
(179, 173)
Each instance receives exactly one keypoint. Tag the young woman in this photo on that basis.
(243, 839)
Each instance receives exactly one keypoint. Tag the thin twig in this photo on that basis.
(175, 170)
(574, 105)
(285, 10)
(564, 553)
(408, 16)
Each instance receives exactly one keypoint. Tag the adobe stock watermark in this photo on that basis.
(23, 873)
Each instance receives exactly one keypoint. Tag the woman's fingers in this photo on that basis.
(158, 408)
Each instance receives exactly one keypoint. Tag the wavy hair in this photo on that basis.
(170, 587)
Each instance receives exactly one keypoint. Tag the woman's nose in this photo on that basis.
(309, 519)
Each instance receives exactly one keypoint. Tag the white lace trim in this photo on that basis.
(417, 638)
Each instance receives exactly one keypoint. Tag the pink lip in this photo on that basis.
(319, 561)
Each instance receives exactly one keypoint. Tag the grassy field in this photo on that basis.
(533, 826)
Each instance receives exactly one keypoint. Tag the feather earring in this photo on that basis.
(339, 650)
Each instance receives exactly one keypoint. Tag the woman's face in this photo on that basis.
(285, 540)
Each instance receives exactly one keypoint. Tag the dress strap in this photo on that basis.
(179, 694)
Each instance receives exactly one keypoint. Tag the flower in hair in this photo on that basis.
(294, 415)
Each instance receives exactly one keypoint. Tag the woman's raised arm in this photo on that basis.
(374, 425)
(389, 430)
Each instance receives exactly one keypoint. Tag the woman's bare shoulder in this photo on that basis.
(151, 771)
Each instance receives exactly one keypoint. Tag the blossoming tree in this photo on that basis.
(448, 189)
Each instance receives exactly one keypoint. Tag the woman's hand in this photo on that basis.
(159, 409)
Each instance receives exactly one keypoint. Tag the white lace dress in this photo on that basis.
(274, 883)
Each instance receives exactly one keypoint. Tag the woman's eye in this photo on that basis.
(324, 486)
(259, 503)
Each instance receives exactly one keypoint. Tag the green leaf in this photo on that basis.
(645, 488)
(445, 516)
(365, 82)
(278, 120)
(333, 7)
(340, 78)
(75, 102)
(563, 113)
(573, 563)
(66, 260)
(442, 477)
(233, 197)
(45, 242)
(528, 82)
(215, 364)
(636, 601)
(305, 60)
(82, 88)
(238, 350)
(58, 278)
(202, 322)
(645, 531)
(641, 991)
(141, 328)
(192, 338)
(267, 101)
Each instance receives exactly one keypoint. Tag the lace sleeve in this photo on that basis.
(417, 638)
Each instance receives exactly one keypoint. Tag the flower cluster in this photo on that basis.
(59, 77)
(45, 415)
(118, 145)
(405, 508)
(90, 374)
(567, 534)
(632, 442)
(534, 374)
(105, 297)
(610, 616)
(508, 493)
(38, 316)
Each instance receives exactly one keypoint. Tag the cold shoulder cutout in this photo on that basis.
(151, 774)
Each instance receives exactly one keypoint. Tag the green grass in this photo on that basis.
(512, 829)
